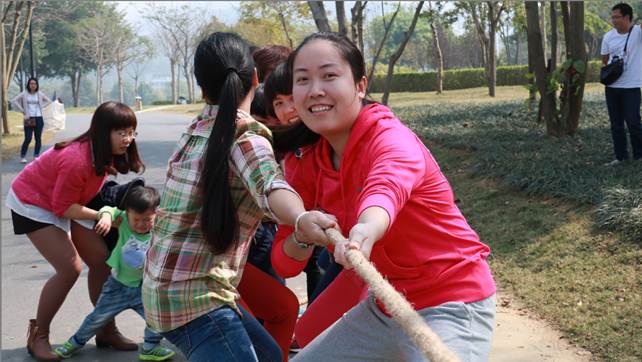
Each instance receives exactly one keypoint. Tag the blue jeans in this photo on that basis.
(222, 335)
(624, 106)
(29, 131)
(114, 298)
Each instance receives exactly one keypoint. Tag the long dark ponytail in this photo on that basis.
(223, 67)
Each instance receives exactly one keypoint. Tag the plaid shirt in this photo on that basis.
(183, 278)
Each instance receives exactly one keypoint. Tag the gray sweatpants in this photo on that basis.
(366, 334)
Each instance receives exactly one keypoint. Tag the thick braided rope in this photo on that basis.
(402, 312)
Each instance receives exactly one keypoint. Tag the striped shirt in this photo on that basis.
(183, 278)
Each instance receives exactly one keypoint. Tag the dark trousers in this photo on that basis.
(624, 106)
(29, 131)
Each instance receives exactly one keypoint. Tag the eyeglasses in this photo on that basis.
(127, 135)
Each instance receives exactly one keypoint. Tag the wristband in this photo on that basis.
(298, 243)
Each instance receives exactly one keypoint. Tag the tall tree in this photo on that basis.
(571, 74)
(341, 17)
(547, 107)
(284, 15)
(184, 27)
(59, 21)
(16, 16)
(573, 70)
(319, 15)
(357, 23)
(433, 16)
(96, 36)
(128, 48)
(386, 26)
(398, 53)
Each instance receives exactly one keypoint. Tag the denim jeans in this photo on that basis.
(114, 298)
(29, 131)
(624, 106)
(222, 335)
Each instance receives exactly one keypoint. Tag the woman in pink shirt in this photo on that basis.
(46, 201)
(355, 160)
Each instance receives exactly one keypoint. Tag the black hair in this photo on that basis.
(141, 199)
(108, 117)
(625, 10)
(290, 138)
(279, 82)
(37, 84)
(258, 106)
(224, 68)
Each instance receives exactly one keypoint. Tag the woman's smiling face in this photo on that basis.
(325, 94)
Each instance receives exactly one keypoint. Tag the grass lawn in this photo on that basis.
(532, 199)
(11, 143)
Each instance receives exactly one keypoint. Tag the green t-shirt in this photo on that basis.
(128, 257)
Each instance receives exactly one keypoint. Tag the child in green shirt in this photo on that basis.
(122, 289)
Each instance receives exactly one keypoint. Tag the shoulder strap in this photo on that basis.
(627, 37)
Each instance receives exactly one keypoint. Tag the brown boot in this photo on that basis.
(109, 336)
(38, 343)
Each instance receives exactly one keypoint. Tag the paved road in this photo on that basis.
(518, 337)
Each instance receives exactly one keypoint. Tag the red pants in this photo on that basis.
(340, 296)
(272, 302)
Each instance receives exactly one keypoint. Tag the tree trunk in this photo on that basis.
(386, 32)
(341, 17)
(536, 58)
(319, 15)
(542, 24)
(285, 30)
(99, 84)
(188, 82)
(492, 53)
(572, 92)
(74, 89)
(9, 60)
(397, 54)
(553, 15)
(354, 12)
(439, 59)
(172, 63)
(121, 85)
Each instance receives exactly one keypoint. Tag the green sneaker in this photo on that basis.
(67, 349)
(158, 353)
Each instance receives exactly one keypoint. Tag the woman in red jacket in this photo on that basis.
(46, 201)
(357, 161)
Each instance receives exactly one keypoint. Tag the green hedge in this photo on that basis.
(462, 78)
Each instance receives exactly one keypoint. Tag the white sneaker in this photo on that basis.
(613, 163)
(23, 160)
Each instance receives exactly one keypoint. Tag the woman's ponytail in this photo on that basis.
(223, 69)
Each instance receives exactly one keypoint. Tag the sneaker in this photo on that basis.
(23, 160)
(67, 349)
(158, 353)
(613, 163)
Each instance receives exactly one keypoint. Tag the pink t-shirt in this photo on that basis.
(59, 178)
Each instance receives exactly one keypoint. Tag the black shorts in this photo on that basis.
(23, 225)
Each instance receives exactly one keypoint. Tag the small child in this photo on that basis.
(122, 290)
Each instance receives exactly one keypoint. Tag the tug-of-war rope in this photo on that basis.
(398, 307)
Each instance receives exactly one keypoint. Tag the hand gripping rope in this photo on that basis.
(402, 312)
